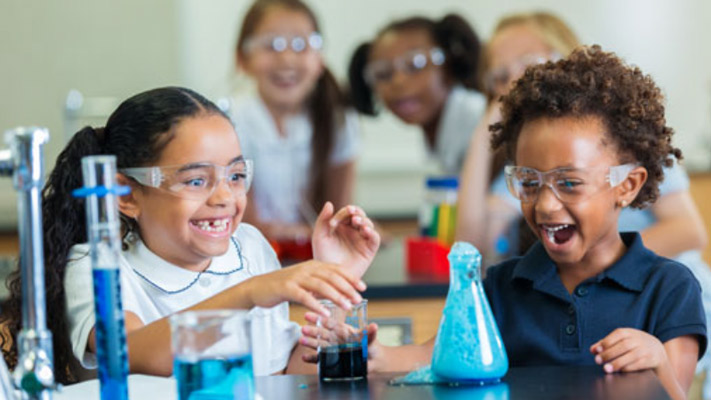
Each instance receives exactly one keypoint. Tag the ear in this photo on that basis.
(627, 191)
(129, 205)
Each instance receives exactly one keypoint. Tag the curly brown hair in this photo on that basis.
(592, 82)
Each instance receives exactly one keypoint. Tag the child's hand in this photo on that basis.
(627, 349)
(314, 335)
(346, 238)
(304, 283)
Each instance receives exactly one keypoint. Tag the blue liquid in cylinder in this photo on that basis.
(215, 379)
(468, 345)
(111, 352)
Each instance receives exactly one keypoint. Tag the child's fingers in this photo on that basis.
(612, 353)
(322, 221)
(622, 363)
(342, 215)
(355, 282)
(372, 330)
(371, 236)
(311, 358)
(306, 299)
(311, 317)
(309, 342)
(325, 290)
(339, 282)
(610, 340)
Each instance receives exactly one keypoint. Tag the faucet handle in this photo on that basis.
(34, 372)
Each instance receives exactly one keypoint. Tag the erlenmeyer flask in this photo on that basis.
(468, 345)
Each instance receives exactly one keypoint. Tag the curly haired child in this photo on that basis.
(588, 137)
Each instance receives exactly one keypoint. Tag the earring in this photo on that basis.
(623, 203)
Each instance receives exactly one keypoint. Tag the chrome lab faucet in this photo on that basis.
(23, 160)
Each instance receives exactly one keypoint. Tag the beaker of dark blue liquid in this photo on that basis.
(343, 343)
(468, 345)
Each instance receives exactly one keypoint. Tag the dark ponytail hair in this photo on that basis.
(135, 133)
(453, 34)
(327, 102)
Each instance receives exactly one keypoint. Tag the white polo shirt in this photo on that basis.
(462, 112)
(282, 164)
(152, 288)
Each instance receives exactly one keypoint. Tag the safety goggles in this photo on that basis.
(382, 71)
(195, 181)
(570, 185)
(280, 43)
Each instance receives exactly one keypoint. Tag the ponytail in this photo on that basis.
(64, 225)
(462, 49)
(136, 133)
(360, 93)
(326, 111)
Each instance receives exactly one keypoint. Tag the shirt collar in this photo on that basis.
(172, 278)
(630, 271)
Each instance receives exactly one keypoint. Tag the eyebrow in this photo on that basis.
(196, 165)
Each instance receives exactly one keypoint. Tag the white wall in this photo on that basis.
(117, 48)
(102, 48)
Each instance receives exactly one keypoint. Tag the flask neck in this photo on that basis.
(461, 277)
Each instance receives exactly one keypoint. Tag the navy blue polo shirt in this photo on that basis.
(542, 324)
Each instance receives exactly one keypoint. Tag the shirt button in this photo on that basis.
(204, 281)
(570, 329)
(571, 309)
(581, 291)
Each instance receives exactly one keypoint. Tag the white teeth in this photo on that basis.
(551, 230)
(556, 228)
(219, 225)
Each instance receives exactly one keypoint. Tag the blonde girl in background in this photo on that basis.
(486, 212)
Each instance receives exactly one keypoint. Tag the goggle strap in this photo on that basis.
(619, 173)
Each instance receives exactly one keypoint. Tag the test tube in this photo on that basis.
(103, 228)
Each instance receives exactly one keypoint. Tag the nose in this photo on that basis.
(399, 77)
(287, 56)
(222, 194)
(547, 201)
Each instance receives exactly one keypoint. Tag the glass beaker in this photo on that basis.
(343, 343)
(212, 353)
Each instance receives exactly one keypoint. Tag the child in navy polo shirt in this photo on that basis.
(587, 137)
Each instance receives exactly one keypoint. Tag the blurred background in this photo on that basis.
(108, 50)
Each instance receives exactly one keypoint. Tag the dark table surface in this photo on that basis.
(531, 383)
(387, 277)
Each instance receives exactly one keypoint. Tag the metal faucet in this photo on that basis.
(23, 160)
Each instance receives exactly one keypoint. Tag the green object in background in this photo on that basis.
(434, 223)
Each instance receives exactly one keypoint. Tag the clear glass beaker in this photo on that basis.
(343, 342)
(212, 353)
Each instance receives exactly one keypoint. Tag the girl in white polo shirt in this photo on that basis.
(184, 245)
(296, 127)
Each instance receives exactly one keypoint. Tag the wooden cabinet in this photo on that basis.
(701, 192)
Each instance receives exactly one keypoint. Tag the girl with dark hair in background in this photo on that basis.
(182, 229)
(424, 72)
(297, 128)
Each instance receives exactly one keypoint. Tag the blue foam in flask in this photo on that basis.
(468, 345)
(103, 227)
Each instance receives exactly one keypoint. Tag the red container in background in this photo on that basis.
(426, 256)
(292, 250)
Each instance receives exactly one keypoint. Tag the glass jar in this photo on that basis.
(438, 214)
